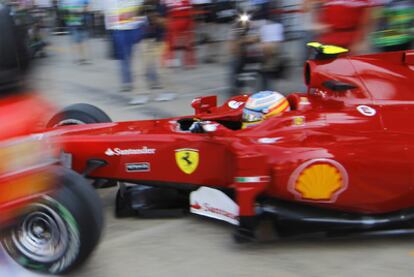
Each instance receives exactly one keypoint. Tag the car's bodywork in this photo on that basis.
(344, 152)
(25, 167)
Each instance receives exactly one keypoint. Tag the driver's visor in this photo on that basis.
(251, 116)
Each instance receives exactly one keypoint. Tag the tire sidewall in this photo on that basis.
(83, 221)
(76, 114)
(66, 118)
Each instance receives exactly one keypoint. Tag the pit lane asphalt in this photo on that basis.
(193, 246)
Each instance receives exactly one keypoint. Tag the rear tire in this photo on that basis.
(57, 233)
(79, 114)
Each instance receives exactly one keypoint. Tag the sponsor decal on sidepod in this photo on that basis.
(123, 152)
(206, 207)
(138, 167)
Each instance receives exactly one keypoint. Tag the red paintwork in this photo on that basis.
(21, 179)
(376, 152)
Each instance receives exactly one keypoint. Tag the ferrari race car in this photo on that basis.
(340, 161)
(51, 219)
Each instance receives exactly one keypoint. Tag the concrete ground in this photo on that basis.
(194, 246)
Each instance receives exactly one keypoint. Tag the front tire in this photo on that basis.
(79, 114)
(57, 233)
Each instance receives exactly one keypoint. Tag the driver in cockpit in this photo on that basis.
(262, 105)
(259, 107)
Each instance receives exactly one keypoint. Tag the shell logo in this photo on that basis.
(319, 180)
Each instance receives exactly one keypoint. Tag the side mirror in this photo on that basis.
(204, 104)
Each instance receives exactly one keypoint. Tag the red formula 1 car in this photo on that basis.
(340, 161)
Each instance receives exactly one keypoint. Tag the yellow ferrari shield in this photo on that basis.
(187, 159)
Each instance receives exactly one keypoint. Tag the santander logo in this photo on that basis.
(206, 207)
(123, 152)
(214, 203)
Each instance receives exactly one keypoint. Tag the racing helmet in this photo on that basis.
(262, 105)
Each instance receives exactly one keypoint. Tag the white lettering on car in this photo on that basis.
(235, 104)
(122, 152)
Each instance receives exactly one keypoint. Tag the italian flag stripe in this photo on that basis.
(252, 179)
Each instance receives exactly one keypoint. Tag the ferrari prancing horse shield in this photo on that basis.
(187, 159)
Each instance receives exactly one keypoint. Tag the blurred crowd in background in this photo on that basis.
(245, 36)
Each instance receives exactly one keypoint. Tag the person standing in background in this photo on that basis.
(153, 45)
(152, 48)
(76, 21)
(127, 29)
(180, 32)
(345, 23)
(203, 18)
(216, 25)
(311, 27)
(256, 40)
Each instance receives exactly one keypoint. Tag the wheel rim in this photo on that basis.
(70, 121)
(42, 235)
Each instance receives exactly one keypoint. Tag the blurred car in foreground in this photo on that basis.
(50, 217)
(339, 161)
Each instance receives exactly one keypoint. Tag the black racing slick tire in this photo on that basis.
(79, 114)
(58, 232)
